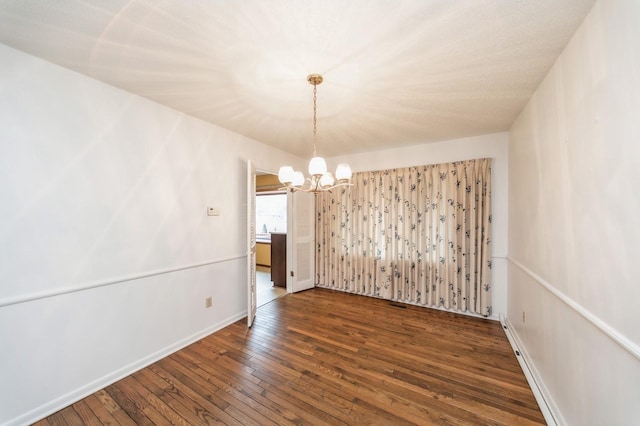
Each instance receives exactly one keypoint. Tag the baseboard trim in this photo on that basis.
(90, 388)
(543, 398)
(492, 317)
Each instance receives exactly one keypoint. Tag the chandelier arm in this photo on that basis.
(313, 190)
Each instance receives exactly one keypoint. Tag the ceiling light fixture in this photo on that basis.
(320, 180)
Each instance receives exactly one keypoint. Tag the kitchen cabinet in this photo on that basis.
(279, 259)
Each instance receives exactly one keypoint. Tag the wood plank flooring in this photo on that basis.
(324, 357)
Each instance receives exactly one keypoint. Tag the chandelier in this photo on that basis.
(321, 180)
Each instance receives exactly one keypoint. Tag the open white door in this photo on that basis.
(301, 241)
(251, 243)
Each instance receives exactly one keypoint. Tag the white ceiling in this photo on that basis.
(396, 72)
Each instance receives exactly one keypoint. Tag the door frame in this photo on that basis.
(252, 305)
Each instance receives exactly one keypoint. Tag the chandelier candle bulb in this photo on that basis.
(285, 174)
(327, 180)
(343, 172)
(298, 179)
(317, 166)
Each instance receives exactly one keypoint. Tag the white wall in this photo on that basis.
(105, 191)
(574, 223)
(487, 146)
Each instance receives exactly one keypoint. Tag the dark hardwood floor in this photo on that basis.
(325, 357)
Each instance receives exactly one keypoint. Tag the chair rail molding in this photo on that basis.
(612, 333)
(111, 281)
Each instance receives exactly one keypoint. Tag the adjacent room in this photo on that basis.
(336, 212)
(271, 238)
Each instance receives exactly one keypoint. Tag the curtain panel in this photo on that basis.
(419, 235)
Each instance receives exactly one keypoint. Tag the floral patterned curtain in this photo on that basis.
(419, 235)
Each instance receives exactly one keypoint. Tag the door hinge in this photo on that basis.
(292, 274)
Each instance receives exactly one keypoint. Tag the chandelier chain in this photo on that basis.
(315, 121)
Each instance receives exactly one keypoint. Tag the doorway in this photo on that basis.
(271, 230)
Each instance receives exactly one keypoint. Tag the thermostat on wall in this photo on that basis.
(213, 211)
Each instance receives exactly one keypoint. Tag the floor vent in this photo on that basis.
(397, 305)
